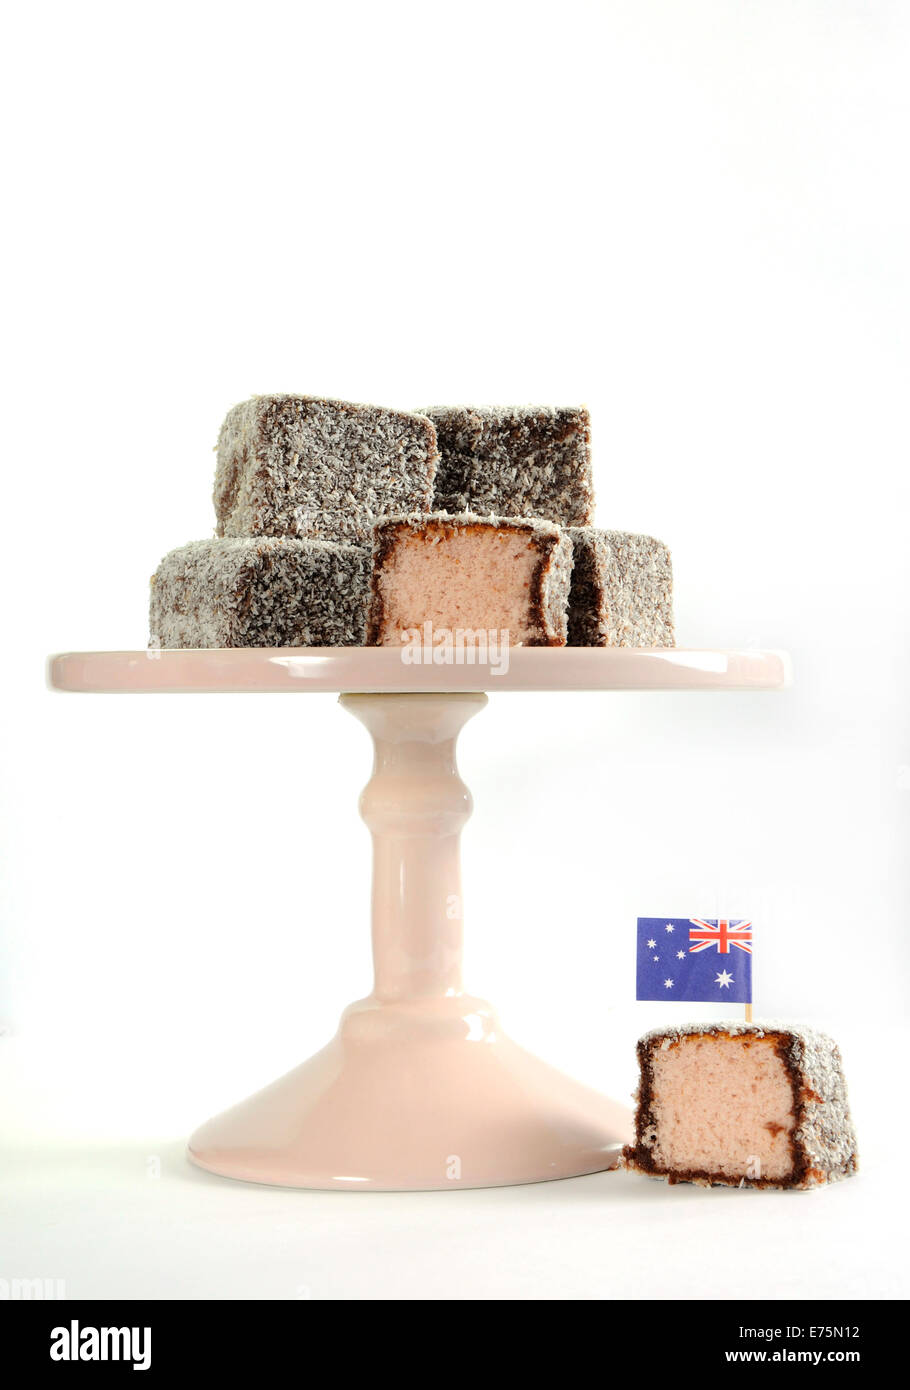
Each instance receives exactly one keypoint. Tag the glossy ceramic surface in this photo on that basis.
(378, 669)
(419, 1088)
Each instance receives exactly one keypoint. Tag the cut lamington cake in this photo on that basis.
(741, 1104)
(622, 590)
(515, 461)
(320, 469)
(260, 592)
(469, 574)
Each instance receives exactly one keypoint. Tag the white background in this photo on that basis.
(694, 218)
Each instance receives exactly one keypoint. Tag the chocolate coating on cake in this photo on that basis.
(319, 469)
(515, 461)
(622, 590)
(265, 592)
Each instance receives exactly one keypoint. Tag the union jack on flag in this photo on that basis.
(722, 934)
(694, 959)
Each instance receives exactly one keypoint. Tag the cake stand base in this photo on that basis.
(419, 1088)
(426, 1094)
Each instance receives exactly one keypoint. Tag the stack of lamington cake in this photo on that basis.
(351, 525)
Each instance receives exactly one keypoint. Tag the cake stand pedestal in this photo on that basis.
(419, 1088)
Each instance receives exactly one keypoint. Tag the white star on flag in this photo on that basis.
(669, 927)
(668, 984)
(724, 980)
(680, 955)
(651, 945)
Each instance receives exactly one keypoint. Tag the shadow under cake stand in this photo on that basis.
(419, 1088)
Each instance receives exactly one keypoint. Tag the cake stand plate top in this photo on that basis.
(383, 669)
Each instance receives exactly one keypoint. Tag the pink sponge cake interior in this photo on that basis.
(731, 1104)
(722, 1100)
(470, 575)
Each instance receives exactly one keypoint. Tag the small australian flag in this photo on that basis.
(702, 959)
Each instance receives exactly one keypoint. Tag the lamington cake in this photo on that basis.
(738, 1104)
(260, 593)
(622, 590)
(469, 574)
(515, 461)
(320, 469)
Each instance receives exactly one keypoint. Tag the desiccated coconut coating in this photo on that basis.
(319, 469)
(515, 461)
(622, 590)
(260, 593)
(470, 574)
(813, 1128)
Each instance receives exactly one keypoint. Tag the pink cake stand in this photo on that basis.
(420, 1087)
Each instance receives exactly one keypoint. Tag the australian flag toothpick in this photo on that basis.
(694, 958)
